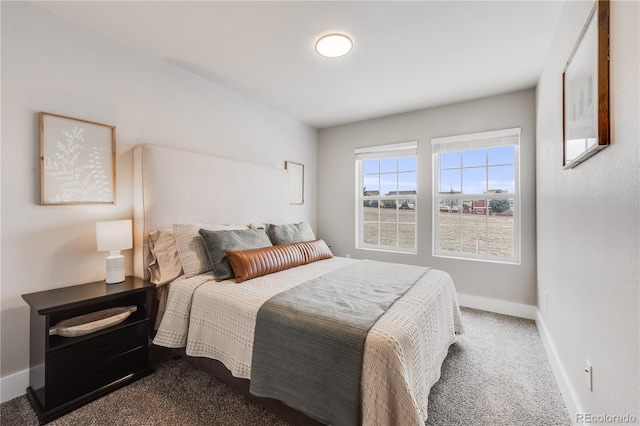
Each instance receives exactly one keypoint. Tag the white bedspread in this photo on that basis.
(403, 352)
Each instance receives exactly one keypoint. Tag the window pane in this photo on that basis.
(370, 210)
(388, 211)
(370, 233)
(474, 212)
(388, 165)
(449, 181)
(474, 226)
(371, 166)
(388, 184)
(371, 184)
(449, 206)
(500, 227)
(476, 157)
(449, 238)
(406, 236)
(449, 225)
(407, 164)
(407, 181)
(448, 160)
(388, 234)
(474, 181)
(407, 211)
(502, 178)
(502, 155)
(501, 207)
(500, 241)
(474, 239)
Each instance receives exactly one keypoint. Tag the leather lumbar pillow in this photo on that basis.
(252, 263)
(217, 242)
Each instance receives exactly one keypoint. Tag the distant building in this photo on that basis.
(475, 207)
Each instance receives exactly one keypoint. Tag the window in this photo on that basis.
(476, 196)
(387, 197)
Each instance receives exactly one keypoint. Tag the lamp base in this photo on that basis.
(115, 268)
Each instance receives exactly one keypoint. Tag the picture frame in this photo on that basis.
(77, 161)
(585, 90)
(296, 182)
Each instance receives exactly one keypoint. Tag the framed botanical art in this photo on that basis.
(585, 90)
(77, 161)
(296, 182)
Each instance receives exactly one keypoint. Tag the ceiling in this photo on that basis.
(406, 55)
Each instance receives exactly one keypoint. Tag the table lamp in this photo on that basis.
(113, 236)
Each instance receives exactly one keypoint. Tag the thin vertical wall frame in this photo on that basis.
(296, 182)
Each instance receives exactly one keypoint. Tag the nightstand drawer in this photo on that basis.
(96, 376)
(67, 360)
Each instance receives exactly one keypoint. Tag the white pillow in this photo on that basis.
(193, 255)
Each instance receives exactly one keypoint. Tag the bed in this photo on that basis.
(213, 321)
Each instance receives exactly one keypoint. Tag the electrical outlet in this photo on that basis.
(348, 256)
(588, 375)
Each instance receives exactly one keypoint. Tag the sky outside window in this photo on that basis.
(390, 175)
(477, 171)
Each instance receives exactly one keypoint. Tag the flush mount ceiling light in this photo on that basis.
(334, 45)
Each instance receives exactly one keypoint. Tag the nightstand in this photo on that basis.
(68, 372)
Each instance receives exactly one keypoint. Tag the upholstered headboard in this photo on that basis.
(176, 186)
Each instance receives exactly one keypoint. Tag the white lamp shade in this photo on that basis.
(114, 235)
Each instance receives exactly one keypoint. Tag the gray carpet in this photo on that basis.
(496, 374)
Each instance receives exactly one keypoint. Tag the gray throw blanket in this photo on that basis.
(309, 340)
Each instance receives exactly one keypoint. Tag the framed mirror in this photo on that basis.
(585, 90)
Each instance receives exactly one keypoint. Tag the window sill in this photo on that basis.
(503, 261)
(388, 250)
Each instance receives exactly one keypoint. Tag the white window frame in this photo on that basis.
(461, 143)
(396, 150)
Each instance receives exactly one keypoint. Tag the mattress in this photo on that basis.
(403, 353)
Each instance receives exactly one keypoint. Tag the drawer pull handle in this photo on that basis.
(104, 347)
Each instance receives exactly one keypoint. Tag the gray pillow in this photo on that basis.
(193, 255)
(217, 242)
(289, 233)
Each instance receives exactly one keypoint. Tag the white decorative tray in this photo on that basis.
(89, 323)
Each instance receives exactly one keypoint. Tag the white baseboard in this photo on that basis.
(14, 385)
(566, 389)
(498, 306)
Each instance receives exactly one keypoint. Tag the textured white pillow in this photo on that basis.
(193, 255)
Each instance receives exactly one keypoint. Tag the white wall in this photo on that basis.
(336, 188)
(51, 64)
(588, 226)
